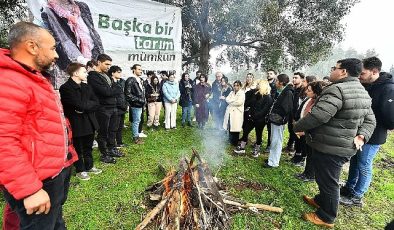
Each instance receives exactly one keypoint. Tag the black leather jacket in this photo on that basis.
(135, 95)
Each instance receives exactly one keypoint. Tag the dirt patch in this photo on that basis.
(256, 186)
(385, 163)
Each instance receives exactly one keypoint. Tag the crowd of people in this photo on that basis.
(329, 121)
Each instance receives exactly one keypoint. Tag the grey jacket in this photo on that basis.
(342, 112)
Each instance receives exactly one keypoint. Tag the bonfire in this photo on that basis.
(191, 198)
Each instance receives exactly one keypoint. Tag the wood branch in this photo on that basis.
(206, 176)
(154, 197)
(214, 203)
(152, 214)
(258, 206)
(191, 199)
(195, 178)
(196, 217)
(195, 154)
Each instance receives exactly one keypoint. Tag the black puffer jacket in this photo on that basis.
(342, 112)
(382, 94)
(106, 93)
(135, 95)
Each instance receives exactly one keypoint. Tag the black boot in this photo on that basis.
(107, 159)
(115, 153)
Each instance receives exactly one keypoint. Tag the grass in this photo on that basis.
(116, 198)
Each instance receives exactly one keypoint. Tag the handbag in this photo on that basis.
(277, 119)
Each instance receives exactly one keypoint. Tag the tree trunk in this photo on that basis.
(204, 56)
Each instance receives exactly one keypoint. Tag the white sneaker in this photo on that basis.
(142, 135)
(83, 176)
(95, 144)
(95, 170)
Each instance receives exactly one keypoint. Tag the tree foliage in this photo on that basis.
(10, 11)
(322, 68)
(254, 33)
(265, 33)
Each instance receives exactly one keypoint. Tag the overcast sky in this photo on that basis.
(369, 26)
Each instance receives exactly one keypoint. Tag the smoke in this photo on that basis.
(214, 147)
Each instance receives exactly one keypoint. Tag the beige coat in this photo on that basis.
(234, 111)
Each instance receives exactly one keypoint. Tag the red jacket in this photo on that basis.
(33, 135)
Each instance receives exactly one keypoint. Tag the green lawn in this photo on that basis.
(116, 198)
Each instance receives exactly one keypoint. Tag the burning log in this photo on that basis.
(151, 215)
(190, 199)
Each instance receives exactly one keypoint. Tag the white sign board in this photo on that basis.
(129, 31)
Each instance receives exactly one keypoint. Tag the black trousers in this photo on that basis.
(301, 149)
(233, 138)
(119, 137)
(292, 135)
(327, 172)
(309, 170)
(269, 133)
(299, 145)
(108, 122)
(248, 126)
(83, 146)
(57, 189)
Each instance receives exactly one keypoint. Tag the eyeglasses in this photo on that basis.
(335, 68)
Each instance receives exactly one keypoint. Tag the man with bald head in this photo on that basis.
(35, 154)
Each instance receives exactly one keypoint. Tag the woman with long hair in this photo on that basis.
(258, 102)
(233, 117)
(225, 90)
(186, 100)
(171, 96)
(202, 91)
(153, 97)
(249, 83)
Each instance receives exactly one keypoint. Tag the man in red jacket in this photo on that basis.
(34, 151)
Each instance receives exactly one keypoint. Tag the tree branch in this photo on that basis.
(189, 60)
(235, 43)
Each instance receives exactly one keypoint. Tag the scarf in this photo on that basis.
(308, 107)
(77, 26)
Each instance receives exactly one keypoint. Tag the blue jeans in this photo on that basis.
(186, 113)
(360, 170)
(136, 113)
(276, 144)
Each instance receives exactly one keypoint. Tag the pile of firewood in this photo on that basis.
(190, 198)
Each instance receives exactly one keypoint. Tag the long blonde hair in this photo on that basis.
(264, 87)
